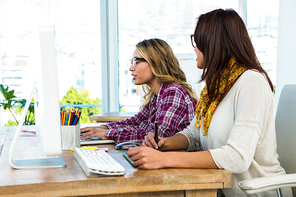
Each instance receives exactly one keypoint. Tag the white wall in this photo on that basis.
(187, 62)
(286, 55)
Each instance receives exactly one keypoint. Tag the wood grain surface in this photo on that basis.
(71, 180)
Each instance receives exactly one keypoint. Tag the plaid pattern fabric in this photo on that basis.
(173, 109)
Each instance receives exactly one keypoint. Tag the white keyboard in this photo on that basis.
(97, 162)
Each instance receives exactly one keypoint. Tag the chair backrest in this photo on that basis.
(285, 123)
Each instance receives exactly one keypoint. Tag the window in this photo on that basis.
(170, 20)
(262, 24)
(174, 20)
(78, 44)
(78, 27)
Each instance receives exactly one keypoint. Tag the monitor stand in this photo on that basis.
(31, 163)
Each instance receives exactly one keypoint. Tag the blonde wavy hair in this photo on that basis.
(164, 65)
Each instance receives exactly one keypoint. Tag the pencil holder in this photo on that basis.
(70, 137)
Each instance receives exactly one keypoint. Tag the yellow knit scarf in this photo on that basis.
(206, 107)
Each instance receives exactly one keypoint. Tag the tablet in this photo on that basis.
(128, 159)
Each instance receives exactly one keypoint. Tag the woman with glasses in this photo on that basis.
(234, 121)
(169, 99)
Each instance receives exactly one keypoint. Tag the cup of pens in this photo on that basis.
(70, 128)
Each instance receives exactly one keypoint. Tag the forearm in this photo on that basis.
(104, 127)
(134, 121)
(126, 134)
(200, 159)
(176, 142)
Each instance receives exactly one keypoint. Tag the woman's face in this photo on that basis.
(199, 58)
(142, 73)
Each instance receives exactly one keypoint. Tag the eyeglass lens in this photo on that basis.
(134, 61)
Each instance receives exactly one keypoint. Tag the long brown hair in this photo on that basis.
(220, 35)
(164, 65)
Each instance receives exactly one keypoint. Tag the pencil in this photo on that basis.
(65, 113)
(74, 119)
(156, 132)
(77, 119)
(72, 116)
(67, 117)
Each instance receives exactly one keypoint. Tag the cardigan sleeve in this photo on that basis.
(192, 135)
(252, 106)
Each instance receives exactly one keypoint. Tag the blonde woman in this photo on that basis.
(169, 99)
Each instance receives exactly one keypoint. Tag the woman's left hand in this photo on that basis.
(147, 158)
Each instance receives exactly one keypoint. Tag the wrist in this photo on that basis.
(104, 135)
(103, 127)
(167, 159)
(166, 145)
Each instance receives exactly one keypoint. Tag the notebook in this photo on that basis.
(96, 140)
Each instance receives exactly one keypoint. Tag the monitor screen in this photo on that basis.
(47, 107)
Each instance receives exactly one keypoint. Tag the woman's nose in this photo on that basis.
(131, 68)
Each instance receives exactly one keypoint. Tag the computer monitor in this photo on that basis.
(47, 108)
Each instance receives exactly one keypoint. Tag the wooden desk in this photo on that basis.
(71, 180)
(111, 116)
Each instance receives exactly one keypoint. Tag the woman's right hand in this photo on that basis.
(94, 132)
(150, 142)
(86, 129)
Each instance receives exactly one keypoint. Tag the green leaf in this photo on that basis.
(7, 94)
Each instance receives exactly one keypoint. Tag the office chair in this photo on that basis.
(285, 123)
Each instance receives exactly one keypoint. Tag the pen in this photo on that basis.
(156, 133)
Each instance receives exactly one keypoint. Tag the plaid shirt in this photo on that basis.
(173, 109)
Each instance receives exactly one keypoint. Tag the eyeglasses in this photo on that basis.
(192, 40)
(134, 61)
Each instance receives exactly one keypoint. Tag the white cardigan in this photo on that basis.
(241, 136)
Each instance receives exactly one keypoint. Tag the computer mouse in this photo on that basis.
(127, 145)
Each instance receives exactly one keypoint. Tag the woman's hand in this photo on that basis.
(86, 129)
(99, 132)
(150, 142)
(147, 158)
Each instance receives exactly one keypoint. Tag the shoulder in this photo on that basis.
(175, 95)
(174, 88)
(253, 75)
(252, 79)
(252, 85)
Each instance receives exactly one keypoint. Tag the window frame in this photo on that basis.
(109, 55)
